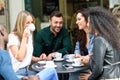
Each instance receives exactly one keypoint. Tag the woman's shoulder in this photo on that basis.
(13, 40)
(101, 40)
(12, 35)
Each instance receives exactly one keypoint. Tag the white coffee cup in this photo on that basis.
(58, 55)
(77, 61)
(31, 27)
(71, 57)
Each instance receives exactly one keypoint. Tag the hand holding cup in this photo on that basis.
(77, 61)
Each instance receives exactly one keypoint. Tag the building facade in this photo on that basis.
(41, 9)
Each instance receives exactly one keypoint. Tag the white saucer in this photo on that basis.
(69, 60)
(46, 66)
(59, 59)
(42, 62)
(74, 65)
(39, 67)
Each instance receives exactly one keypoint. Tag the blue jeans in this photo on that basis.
(45, 74)
(48, 74)
(25, 72)
(6, 69)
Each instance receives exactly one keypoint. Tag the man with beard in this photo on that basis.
(52, 39)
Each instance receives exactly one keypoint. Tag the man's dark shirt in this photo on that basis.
(46, 42)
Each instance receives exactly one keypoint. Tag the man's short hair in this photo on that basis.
(56, 13)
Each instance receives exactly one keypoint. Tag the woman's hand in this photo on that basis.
(77, 55)
(84, 76)
(26, 32)
(85, 59)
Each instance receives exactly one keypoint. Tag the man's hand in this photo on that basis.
(51, 55)
(43, 56)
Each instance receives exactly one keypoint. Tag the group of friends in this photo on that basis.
(98, 44)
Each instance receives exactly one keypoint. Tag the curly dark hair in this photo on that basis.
(105, 24)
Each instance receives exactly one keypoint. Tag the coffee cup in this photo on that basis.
(71, 57)
(77, 61)
(58, 55)
(31, 27)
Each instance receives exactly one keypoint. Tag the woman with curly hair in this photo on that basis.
(105, 61)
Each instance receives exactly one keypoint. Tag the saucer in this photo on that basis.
(74, 65)
(42, 62)
(39, 67)
(69, 60)
(61, 59)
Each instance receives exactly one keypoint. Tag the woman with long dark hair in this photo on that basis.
(85, 39)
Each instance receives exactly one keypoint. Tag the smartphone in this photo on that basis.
(67, 66)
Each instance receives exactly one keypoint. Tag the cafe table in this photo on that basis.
(62, 67)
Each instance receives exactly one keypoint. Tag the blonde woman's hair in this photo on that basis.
(20, 23)
(116, 13)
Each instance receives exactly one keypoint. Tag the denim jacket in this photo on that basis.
(90, 46)
(6, 69)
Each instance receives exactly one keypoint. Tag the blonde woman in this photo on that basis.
(20, 48)
(20, 45)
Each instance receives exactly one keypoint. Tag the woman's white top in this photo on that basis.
(13, 40)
